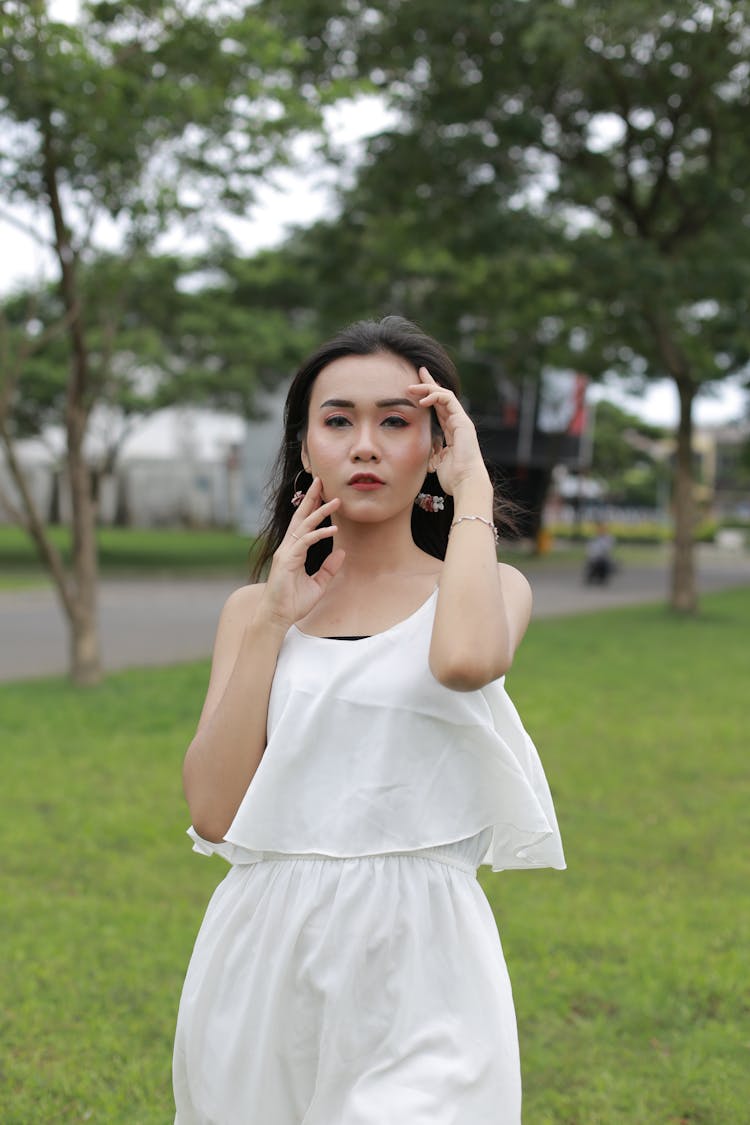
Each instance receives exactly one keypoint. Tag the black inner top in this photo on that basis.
(347, 638)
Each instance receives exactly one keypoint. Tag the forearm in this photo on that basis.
(472, 640)
(226, 750)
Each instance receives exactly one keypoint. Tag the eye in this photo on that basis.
(395, 420)
(337, 421)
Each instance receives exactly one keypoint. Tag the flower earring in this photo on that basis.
(297, 495)
(430, 503)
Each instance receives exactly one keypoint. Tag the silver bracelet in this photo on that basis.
(481, 519)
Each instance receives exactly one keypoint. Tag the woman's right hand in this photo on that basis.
(290, 592)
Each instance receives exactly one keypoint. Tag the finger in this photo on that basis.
(430, 387)
(313, 509)
(425, 384)
(314, 535)
(427, 392)
(312, 501)
(311, 496)
(315, 518)
(441, 395)
(445, 405)
(331, 566)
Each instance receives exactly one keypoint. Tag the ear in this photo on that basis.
(304, 456)
(437, 449)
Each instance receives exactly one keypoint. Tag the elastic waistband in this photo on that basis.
(436, 855)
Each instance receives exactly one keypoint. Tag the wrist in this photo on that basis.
(479, 521)
(474, 495)
(268, 621)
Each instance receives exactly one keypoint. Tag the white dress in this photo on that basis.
(348, 970)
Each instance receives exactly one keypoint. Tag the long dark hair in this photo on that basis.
(401, 338)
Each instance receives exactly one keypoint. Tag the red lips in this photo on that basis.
(365, 478)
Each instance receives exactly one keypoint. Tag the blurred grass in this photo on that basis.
(629, 970)
(124, 551)
(100, 893)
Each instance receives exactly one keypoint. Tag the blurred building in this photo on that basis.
(259, 449)
(724, 465)
(531, 429)
(178, 468)
(193, 468)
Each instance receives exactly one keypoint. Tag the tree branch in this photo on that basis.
(31, 521)
(673, 357)
(79, 380)
(15, 513)
(12, 369)
(19, 224)
(663, 177)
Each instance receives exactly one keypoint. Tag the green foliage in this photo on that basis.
(143, 115)
(623, 458)
(161, 330)
(565, 183)
(145, 108)
(627, 969)
(244, 328)
(578, 172)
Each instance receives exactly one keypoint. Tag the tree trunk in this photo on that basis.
(122, 506)
(683, 595)
(85, 661)
(77, 594)
(54, 512)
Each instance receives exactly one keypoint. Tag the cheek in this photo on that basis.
(320, 449)
(419, 450)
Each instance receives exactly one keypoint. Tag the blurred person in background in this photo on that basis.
(600, 565)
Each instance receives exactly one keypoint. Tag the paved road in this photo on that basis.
(151, 622)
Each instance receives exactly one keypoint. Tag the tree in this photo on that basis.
(613, 138)
(138, 115)
(624, 458)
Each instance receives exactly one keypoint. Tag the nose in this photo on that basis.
(364, 444)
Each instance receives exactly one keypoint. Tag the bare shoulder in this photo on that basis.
(516, 583)
(518, 600)
(239, 610)
(243, 602)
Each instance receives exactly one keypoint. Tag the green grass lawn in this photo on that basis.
(630, 969)
(132, 551)
(124, 551)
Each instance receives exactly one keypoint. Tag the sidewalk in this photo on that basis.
(559, 591)
(154, 622)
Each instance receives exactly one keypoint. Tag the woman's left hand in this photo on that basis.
(460, 459)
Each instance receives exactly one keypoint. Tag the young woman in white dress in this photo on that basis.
(356, 759)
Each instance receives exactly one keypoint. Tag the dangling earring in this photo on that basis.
(430, 503)
(297, 495)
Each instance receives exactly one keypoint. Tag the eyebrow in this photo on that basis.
(384, 402)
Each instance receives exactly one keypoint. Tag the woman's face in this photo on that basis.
(367, 438)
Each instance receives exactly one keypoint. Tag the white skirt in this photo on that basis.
(366, 991)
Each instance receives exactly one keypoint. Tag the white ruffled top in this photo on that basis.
(367, 754)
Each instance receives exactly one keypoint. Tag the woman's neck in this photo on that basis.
(374, 549)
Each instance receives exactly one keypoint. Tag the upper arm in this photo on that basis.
(518, 601)
(238, 612)
(474, 645)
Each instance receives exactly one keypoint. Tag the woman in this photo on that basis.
(356, 759)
